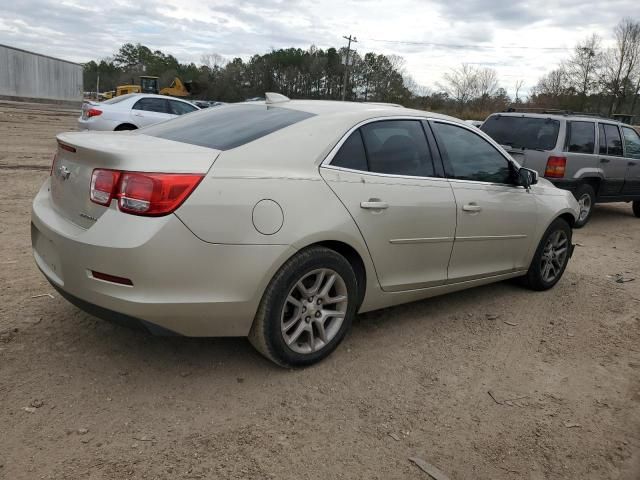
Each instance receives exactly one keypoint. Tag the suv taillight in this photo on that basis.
(150, 194)
(555, 167)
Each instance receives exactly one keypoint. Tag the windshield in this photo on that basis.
(226, 127)
(522, 132)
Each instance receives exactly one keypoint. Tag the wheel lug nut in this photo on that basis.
(319, 301)
(304, 309)
(318, 314)
(308, 319)
(310, 299)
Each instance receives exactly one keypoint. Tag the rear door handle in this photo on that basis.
(604, 160)
(374, 204)
(472, 207)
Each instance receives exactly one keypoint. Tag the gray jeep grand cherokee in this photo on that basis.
(597, 159)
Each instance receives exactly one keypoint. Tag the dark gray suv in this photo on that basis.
(597, 159)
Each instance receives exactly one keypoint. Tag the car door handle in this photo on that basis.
(604, 160)
(374, 204)
(472, 207)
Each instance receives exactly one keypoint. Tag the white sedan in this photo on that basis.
(280, 220)
(132, 111)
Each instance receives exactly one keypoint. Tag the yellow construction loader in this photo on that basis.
(177, 88)
(148, 84)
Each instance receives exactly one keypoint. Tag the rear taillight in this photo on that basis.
(103, 186)
(151, 194)
(93, 112)
(555, 167)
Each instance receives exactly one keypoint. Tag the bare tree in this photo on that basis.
(486, 85)
(213, 61)
(583, 66)
(461, 84)
(620, 61)
(552, 84)
(519, 84)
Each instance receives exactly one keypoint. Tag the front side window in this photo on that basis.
(158, 105)
(397, 147)
(631, 143)
(180, 108)
(351, 154)
(581, 137)
(614, 142)
(471, 157)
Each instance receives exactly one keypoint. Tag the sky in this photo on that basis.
(520, 40)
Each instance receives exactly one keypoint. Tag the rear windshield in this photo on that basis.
(120, 98)
(227, 126)
(522, 132)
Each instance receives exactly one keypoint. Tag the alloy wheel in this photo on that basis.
(554, 256)
(314, 311)
(585, 207)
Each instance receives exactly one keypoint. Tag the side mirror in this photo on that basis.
(527, 177)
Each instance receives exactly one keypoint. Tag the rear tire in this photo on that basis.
(298, 323)
(636, 208)
(551, 257)
(586, 197)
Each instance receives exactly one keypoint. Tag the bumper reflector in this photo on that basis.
(111, 278)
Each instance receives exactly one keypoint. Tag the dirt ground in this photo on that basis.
(81, 398)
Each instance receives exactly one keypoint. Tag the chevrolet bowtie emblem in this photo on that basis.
(63, 172)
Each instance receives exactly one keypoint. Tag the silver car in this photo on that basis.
(598, 159)
(280, 220)
(131, 111)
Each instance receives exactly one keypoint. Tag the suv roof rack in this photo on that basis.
(554, 111)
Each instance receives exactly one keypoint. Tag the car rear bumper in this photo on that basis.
(180, 285)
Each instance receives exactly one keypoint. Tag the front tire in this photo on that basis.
(636, 208)
(551, 257)
(586, 197)
(307, 308)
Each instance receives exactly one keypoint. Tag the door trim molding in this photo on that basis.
(409, 241)
(489, 237)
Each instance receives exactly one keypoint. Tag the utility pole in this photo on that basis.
(346, 65)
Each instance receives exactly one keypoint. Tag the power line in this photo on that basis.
(461, 45)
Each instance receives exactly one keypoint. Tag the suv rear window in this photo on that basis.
(226, 127)
(523, 132)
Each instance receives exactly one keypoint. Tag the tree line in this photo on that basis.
(298, 73)
(594, 78)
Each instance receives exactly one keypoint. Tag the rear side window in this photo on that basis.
(351, 154)
(523, 132)
(614, 142)
(158, 105)
(471, 157)
(581, 137)
(631, 143)
(398, 147)
(226, 127)
(180, 108)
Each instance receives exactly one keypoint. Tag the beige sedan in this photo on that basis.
(280, 220)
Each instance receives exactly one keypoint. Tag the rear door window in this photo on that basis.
(631, 143)
(228, 126)
(523, 132)
(398, 147)
(614, 142)
(602, 140)
(581, 137)
(158, 105)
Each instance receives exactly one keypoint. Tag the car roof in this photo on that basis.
(559, 116)
(351, 109)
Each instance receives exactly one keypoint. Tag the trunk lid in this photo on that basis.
(80, 153)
